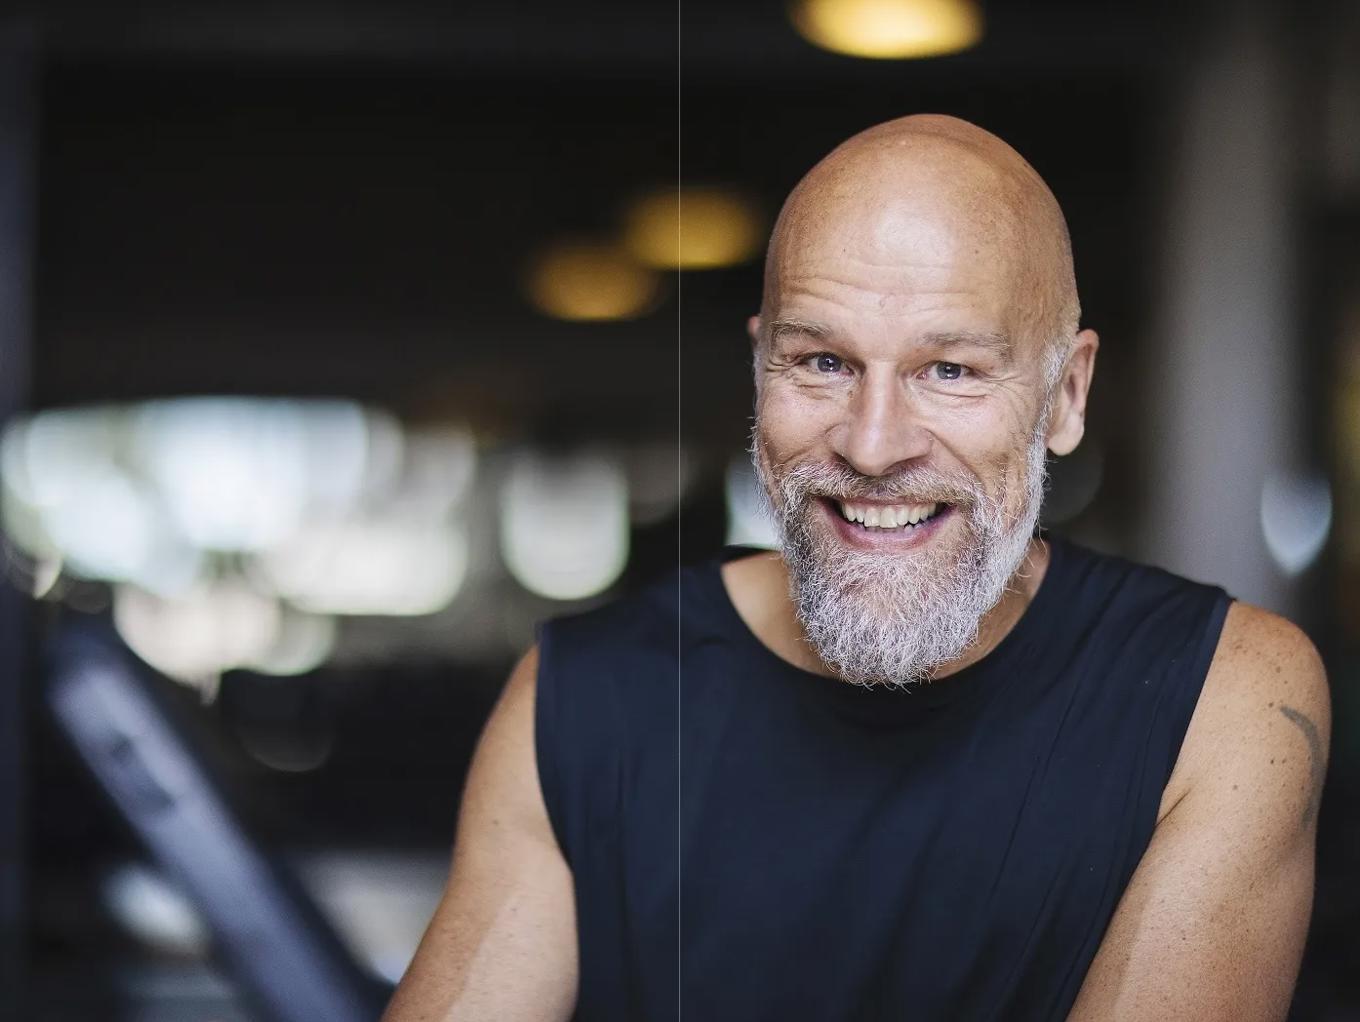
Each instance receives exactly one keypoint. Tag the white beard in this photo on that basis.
(880, 619)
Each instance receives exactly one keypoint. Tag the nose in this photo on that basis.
(881, 429)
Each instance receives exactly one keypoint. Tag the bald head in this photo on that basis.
(929, 195)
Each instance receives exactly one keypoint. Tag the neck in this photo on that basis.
(759, 588)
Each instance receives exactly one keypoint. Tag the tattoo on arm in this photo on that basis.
(1316, 766)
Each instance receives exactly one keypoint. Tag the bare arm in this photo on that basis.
(502, 944)
(1212, 925)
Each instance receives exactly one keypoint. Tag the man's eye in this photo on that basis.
(829, 364)
(948, 370)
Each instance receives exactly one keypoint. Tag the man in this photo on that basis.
(923, 763)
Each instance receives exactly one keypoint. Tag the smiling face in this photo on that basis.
(915, 357)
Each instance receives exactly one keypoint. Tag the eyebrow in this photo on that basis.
(998, 344)
(781, 328)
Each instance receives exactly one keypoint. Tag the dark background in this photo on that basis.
(322, 199)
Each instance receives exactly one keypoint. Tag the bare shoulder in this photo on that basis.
(512, 718)
(503, 797)
(502, 943)
(1212, 925)
(1268, 654)
(1266, 669)
(1264, 716)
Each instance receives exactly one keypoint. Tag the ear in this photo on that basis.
(1067, 422)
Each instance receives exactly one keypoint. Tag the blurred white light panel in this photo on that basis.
(748, 520)
(232, 473)
(302, 642)
(388, 567)
(200, 634)
(564, 523)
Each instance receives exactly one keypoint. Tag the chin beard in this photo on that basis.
(879, 619)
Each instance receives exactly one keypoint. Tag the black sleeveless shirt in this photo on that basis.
(750, 841)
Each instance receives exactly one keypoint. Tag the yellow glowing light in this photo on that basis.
(889, 29)
(693, 229)
(584, 280)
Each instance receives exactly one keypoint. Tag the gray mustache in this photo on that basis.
(916, 486)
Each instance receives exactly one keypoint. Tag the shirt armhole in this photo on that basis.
(547, 734)
(1205, 649)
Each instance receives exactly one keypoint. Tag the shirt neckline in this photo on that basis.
(880, 704)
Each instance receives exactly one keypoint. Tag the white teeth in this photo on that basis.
(920, 512)
(889, 516)
(851, 512)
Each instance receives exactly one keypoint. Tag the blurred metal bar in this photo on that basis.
(283, 954)
(17, 147)
(1224, 389)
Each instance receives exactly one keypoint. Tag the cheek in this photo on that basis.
(788, 426)
(996, 456)
(1009, 470)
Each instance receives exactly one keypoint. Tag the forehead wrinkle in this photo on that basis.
(892, 235)
(811, 283)
(836, 289)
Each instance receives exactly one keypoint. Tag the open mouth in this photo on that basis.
(887, 517)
